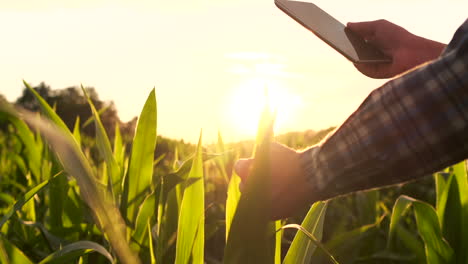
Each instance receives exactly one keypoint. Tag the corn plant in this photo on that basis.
(72, 208)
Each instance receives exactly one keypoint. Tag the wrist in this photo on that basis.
(313, 174)
(425, 49)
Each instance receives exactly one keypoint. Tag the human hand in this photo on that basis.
(289, 187)
(406, 49)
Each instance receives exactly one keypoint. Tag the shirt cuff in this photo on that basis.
(315, 174)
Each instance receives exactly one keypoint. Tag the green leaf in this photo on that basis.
(104, 145)
(167, 225)
(9, 253)
(450, 214)
(278, 243)
(74, 250)
(145, 214)
(119, 149)
(24, 199)
(190, 230)
(312, 238)
(437, 249)
(233, 196)
(222, 160)
(150, 243)
(460, 172)
(302, 247)
(57, 198)
(399, 209)
(76, 131)
(140, 172)
(75, 163)
(442, 191)
(412, 242)
(33, 152)
(47, 110)
(344, 245)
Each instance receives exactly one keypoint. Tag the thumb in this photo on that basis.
(242, 168)
(364, 29)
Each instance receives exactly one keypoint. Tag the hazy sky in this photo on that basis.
(209, 60)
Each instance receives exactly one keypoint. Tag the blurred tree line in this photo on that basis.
(70, 103)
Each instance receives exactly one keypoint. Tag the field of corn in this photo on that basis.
(59, 203)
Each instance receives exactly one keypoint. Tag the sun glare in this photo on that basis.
(248, 101)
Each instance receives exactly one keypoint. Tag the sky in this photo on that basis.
(209, 60)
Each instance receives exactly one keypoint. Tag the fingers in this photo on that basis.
(242, 168)
(364, 29)
(376, 71)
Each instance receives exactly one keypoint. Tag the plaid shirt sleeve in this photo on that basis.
(410, 127)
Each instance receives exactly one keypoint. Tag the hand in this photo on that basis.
(289, 188)
(406, 50)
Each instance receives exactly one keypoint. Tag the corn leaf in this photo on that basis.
(33, 152)
(233, 196)
(302, 247)
(10, 254)
(251, 236)
(399, 209)
(24, 199)
(47, 110)
(75, 250)
(412, 242)
(74, 162)
(190, 230)
(140, 172)
(278, 242)
(145, 215)
(450, 214)
(437, 249)
(104, 146)
(460, 173)
(314, 240)
(76, 131)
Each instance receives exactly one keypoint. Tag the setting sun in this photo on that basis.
(248, 101)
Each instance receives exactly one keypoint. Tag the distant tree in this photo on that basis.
(3, 123)
(70, 103)
(2, 99)
(27, 100)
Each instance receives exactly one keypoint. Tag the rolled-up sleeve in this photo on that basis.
(412, 126)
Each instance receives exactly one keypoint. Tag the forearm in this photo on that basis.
(410, 127)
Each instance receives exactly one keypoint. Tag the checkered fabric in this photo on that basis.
(412, 126)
